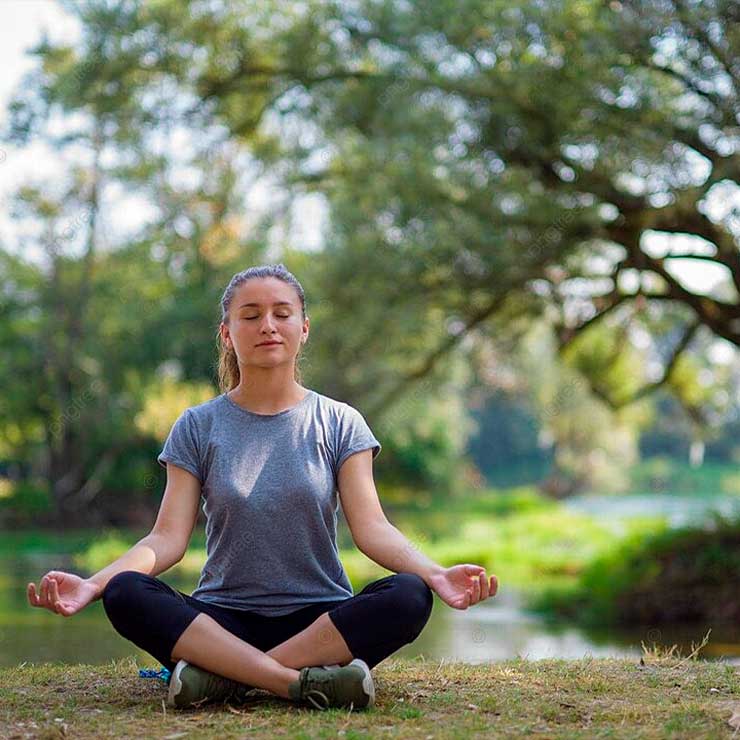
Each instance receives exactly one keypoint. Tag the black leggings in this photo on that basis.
(384, 616)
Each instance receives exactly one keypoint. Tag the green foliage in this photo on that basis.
(668, 476)
(616, 367)
(593, 445)
(102, 551)
(505, 446)
(665, 575)
(433, 520)
(22, 501)
(527, 540)
(470, 162)
(564, 563)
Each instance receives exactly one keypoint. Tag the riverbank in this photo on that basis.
(660, 695)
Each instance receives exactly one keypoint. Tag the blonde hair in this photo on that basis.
(228, 364)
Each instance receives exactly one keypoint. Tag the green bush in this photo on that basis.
(103, 551)
(25, 500)
(670, 575)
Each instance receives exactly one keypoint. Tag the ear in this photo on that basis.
(225, 338)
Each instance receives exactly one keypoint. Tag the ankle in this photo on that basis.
(287, 678)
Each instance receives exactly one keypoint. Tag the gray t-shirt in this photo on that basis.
(269, 492)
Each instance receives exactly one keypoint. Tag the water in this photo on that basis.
(676, 509)
(501, 628)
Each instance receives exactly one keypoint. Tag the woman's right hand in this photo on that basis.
(62, 593)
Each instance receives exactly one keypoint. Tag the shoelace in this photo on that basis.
(314, 694)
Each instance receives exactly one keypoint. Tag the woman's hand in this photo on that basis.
(62, 593)
(462, 586)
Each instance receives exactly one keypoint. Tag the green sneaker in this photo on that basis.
(343, 686)
(190, 685)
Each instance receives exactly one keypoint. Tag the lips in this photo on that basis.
(268, 344)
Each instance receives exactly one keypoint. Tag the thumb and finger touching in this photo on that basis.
(49, 597)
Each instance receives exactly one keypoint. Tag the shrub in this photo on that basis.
(673, 575)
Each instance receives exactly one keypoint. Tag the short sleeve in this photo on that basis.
(353, 435)
(181, 446)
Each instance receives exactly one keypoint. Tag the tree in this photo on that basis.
(503, 141)
(486, 165)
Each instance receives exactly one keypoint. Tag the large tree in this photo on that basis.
(467, 149)
(482, 163)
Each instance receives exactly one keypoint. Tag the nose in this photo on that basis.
(267, 325)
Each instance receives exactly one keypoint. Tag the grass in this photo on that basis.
(522, 538)
(660, 696)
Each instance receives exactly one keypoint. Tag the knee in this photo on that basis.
(414, 603)
(120, 591)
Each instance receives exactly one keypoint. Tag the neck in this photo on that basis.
(267, 393)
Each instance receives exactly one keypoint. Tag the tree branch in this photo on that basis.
(568, 334)
(678, 350)
(433, 358)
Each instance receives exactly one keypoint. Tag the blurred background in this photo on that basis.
(517, 226)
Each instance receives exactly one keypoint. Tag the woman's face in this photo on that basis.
(265, 309)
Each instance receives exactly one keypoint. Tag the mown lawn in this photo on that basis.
(659, 696)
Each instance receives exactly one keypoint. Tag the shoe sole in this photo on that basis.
(367, 682)
(175, 683)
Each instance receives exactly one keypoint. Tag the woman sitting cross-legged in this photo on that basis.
(273, 608)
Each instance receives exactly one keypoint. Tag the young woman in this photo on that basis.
(273, 608)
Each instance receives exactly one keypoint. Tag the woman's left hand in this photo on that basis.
(462, 586)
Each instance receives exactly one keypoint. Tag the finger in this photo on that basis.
(32, 595)
(483, 586)
(60, 606)
(474, 570)
(494, 585)
(56, 575)
(53, 591)
(475, 596)
(44, 591)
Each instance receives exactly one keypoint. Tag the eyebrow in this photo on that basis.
(279, 303)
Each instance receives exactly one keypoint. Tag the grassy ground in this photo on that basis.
(659, 696)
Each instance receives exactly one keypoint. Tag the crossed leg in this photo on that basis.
(148, 612)
(207, 644)
(321, 643)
